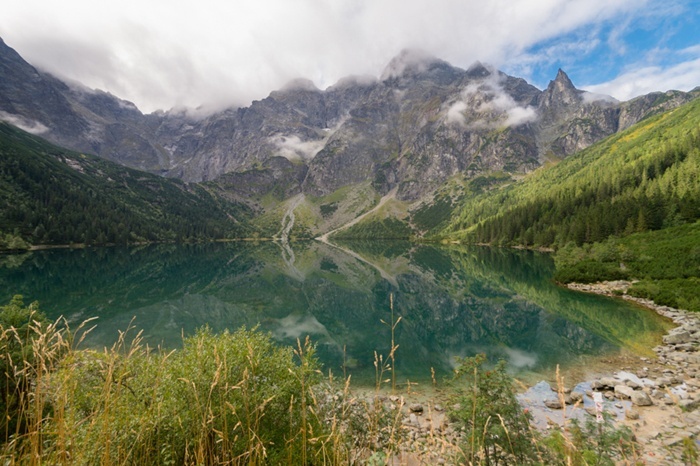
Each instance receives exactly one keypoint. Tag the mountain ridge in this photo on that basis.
(423, 123)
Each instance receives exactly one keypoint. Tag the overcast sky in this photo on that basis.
(161, 54)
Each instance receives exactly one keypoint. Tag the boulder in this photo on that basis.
(689, 405)
(416, 408)
(623, 392)
(677, 337)
(641, 399)
(553, 404)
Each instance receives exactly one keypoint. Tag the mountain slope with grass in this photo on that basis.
(51, 195)
(645, 178)
(626, 208)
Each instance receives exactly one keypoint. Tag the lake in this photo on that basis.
(453, 301)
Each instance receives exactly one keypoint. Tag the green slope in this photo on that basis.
(626, 208)
(49, 195)
(645, 178)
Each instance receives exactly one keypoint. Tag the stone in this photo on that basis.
(416, 408)
(689, 405)
(632, 414)
(687, 347)
(678, 337)
(608, 383)
(623, 392)
(633, 384)
(641, 399)
(553, 404)
(576, 397)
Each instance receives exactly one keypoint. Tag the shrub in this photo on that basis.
(20, 325)
(496, 426)
(591, 443)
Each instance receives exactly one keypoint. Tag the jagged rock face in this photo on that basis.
(422, 123)
(571, 120)
(641, 107)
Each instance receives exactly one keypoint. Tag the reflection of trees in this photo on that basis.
(454, 300)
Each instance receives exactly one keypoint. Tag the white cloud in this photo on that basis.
(520, 359)
(455, 114)
(684, 76)
(487, 96)
(163, 53)
(293, 148)
(30, 126)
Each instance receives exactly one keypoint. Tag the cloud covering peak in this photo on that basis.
(160, 54)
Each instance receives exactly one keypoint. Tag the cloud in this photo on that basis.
(493, 105)
(683, 76)
(161, 54)
(25, 124)
(519, 358)
(455, 114)
(299, 326)
(293, 148)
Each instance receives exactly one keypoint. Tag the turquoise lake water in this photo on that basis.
(454, 301)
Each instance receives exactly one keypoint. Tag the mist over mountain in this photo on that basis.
(423, 122)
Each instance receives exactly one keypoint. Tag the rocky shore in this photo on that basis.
(661, 395)
(658, 398)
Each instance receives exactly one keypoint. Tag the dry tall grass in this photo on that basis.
(238, 398)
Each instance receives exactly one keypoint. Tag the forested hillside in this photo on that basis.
(626, 208)
(645, 178)
(50, 195)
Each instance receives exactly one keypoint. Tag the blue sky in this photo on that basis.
(660, 45)
(161, 54)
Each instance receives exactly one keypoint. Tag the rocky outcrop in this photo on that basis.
(423, 122)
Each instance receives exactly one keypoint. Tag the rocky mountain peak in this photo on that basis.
(478, 70)
(423, 123)
(561, 92)
(408, 62)
(562, 80)
(300, 84)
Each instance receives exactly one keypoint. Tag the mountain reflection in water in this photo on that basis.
(454, 301)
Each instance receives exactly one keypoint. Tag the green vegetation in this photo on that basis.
(228, 398)
(666, 263)
(645, 178)
(16, 360)
(626, 208)
(497, 429)
(237, 398)
(387, 228)
(54, 196)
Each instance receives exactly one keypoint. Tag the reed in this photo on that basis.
(237, 398)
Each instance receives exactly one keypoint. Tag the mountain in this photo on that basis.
(422, 125)
(54, 196)
(644, 178)
(627, 207)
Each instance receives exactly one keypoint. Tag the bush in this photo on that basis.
(20, 325)
(590, 271)
(593, 443)
(496, 426)
(682, 293)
